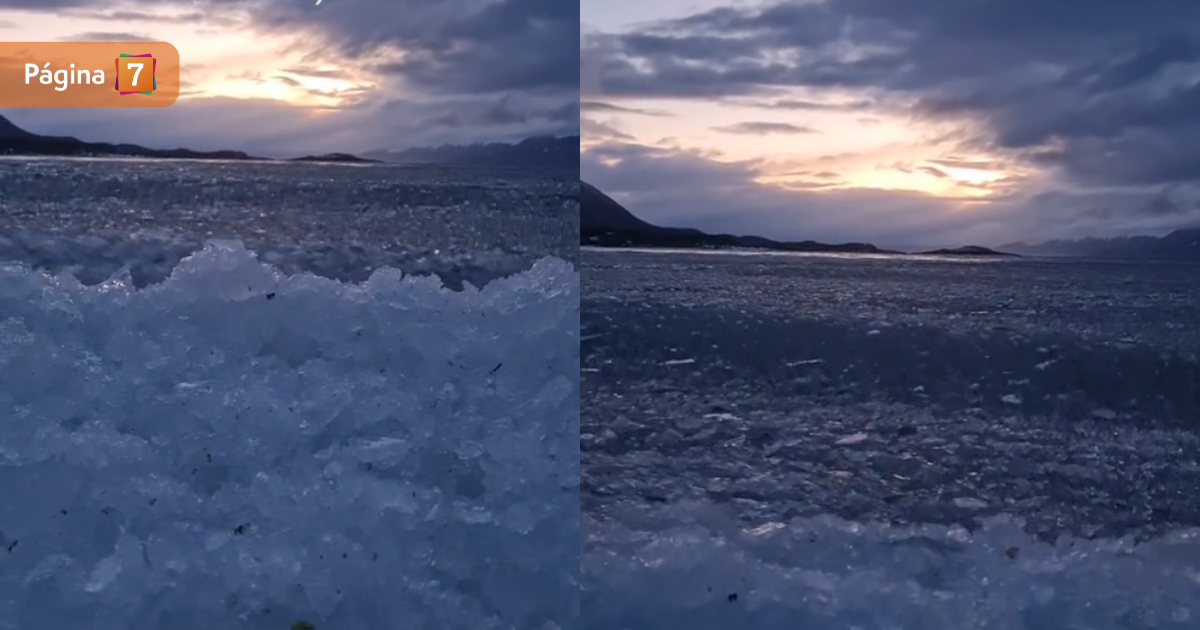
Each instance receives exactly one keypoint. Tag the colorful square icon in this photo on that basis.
(135, 74)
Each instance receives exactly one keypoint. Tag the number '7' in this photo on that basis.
(136, 72)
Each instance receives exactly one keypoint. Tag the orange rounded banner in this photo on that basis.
(88, 74)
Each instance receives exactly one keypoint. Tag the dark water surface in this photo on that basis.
(901, 390)
(93, 216)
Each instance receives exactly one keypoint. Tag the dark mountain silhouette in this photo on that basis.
(9, 131)
(543, 152)
(17, 141)
(335, 157)
(537, 152)
(968, 250)
(605, 223)
(600, 213)
(1178, 245)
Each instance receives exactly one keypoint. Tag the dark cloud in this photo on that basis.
(450, 46)
(506, 111)
(597, 130)
(808, 105)
(316, 73)
(1163, 205)
(1106, 92)
(600, 107)
(38, 5)
(501, 113)
(566, 113)
(95, 36)
(470, 71)
(953, 162)
(757, 128)
(446, 121)
(214, 16)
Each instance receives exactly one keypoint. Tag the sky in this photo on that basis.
(905, 123)
(288, 77)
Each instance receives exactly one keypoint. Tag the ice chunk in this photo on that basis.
(827, 573)
(970, 503)
(237, 447)
(852, 439)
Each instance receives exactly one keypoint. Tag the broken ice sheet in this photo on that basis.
(292, 476)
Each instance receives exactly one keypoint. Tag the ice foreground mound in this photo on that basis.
(817, 574)
(237, 448)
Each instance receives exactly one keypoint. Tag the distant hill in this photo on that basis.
(599, 213)
(1178, 245)
(335, 157)
(605, 223)
(968, 250)
(17, 141)
(9, 131)
(538, 152)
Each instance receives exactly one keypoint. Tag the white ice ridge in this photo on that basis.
(236, 448)
(823, 573)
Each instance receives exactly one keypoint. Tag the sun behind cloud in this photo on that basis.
(226, 58)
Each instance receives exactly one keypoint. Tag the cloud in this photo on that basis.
(1033, 71)
(316, 73)
(1102, 94)
(758, 128)
(95, 36)
(686, 189)
(501, 113)
(214, 16)
(443, 46)
(277, 129)
(432, 71)
(794, 104)
(448, 46)
(600, 107)
(41, 5)
(596, 130)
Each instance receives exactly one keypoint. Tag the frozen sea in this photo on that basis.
(875, 442)
(245, 395)
(94, 216)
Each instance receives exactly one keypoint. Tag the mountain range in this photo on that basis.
(605, 223)
(538, 152)
(17, 141)
(1178, 245)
